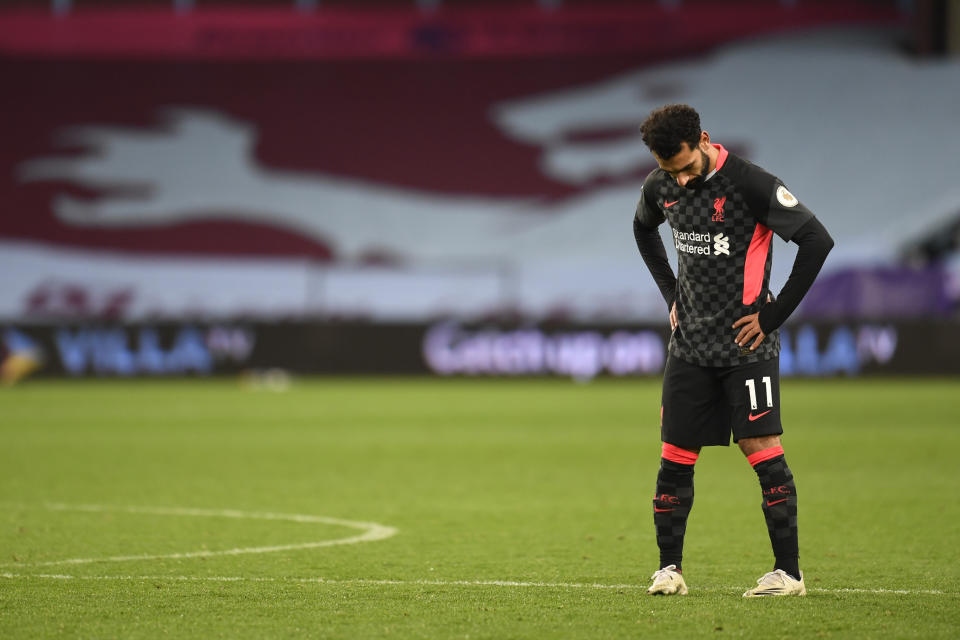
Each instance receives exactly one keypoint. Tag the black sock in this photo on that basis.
(671, 506)
(780, 511)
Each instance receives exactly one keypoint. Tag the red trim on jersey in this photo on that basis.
(678, 455)
(755, 263)
(722, 157)
(760, 456)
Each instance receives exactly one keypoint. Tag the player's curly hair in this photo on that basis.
(667, 127)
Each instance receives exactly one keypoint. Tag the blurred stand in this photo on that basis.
(198, 188)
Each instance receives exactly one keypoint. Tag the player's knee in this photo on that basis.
(679, 455)
(750, 446)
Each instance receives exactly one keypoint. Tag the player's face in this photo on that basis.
(689, 167)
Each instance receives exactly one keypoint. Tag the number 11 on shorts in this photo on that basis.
(752, 388)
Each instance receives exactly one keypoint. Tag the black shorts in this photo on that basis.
(703, 405)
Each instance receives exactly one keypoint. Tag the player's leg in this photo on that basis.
(671, 507)
(779, 495)
(688, 421)
(757, 428)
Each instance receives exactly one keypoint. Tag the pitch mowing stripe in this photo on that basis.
(436, 583)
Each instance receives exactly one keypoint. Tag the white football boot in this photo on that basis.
(668, 582)
(777, 583)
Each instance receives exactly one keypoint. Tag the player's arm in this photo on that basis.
(778, 209)
(814, 243)
(645, 231)
(655, 257)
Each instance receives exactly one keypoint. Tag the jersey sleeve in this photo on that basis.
(785, 213)
(648, 215)
(772, 204)
(645, 222)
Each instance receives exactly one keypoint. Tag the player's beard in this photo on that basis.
(696, 183)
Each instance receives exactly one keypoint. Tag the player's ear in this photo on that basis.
(704, 140)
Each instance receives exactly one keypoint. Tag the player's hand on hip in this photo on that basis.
(674, 323)
(749, 329)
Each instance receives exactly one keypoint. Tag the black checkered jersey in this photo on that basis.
(722, 232)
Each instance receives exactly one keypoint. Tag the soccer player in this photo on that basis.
(722, 371)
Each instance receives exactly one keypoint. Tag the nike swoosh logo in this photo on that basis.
(752, 417)
(669, 204)
(661, 510)
(770, 504)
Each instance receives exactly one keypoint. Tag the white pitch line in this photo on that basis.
(372, 531)
(436, 583)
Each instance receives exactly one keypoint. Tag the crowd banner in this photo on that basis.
(450, 349)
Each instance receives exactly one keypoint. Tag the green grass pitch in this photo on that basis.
(521, 509)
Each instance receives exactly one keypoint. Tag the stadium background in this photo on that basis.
(446, 187)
